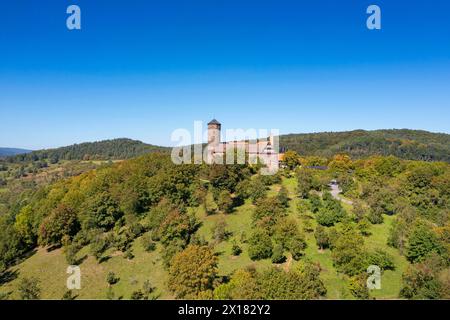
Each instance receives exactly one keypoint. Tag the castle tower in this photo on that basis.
(214, 128)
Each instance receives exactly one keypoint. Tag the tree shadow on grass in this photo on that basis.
(237, 202)
(219, 253)
(24, 256)
(81, 260)
(8, 276)
(53, 248)
(104, 259)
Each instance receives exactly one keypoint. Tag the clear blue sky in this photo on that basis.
(141, 69)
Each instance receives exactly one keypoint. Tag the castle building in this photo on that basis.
(265, 150)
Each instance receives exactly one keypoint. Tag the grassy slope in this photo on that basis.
(50, 267)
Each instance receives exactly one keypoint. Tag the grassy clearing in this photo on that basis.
(390, 280)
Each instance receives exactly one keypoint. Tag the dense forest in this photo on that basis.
(226, 232)
(405, 144)
(100, 150)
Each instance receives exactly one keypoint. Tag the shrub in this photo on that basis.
(260, 245)
(426, 280)
(68, 295)
(70, 252)
(375, 217)
(326, 217)
(422, 242)
(315, 203)
(381, 259)
(358, 287)
(268, 208)
(148, 243)
(277, 254)
(297, 247)
(137, 295)
(129, 254)
(236, 249)
(322, 238)
(364, 226)
(192, 271)
(219, 231)
(283, 197)
(225, 202)
(257, 190)
(147, 288)
(29, 289)
(98, 247)
(111, 278)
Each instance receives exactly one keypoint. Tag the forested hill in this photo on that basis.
(100, 150)
(4, 152)
(404, 143)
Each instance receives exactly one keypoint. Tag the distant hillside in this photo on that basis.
(404, 143)
(100, 150)
(4, 152)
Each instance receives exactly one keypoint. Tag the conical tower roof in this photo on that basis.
(214, 121)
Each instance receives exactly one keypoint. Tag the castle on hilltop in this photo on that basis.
(265, 150)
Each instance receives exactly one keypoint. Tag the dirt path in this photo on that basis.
(287, 264)
(335, 191)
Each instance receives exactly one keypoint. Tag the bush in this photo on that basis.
(98, 247)
(68, 295)
(137, 295)
(422, 242)
(315, 203)
(236, 249)
(277, 254)
(225, 202)
(111, 278)
(257, 190)
(192, 271)
(71, 253)
(375, 217)
(29, 289)
(322, 238)
(147, 288)
(260, 245)
(129, 254)
(326, 217)
(148, 243)
(348, 252)
(297, 247)
(358, 287)
(381, 259)
(219, 231)
(426, 280)
(283, 197)
(269, 208)
(364, 226)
